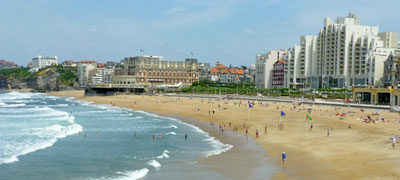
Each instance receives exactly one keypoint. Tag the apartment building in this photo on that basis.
(278, 75)
(264, 66)
(348, 53)
(83, 70)
(392, 70)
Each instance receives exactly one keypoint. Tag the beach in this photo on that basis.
(363, 151)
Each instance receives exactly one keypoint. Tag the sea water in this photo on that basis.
(46, 137)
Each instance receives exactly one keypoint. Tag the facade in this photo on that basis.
(44, 61)
(69, 64)
(390, 39)
(264, 66)
(154, 71)
(83, 69)
(204, 68)
(346, 53)
(278, 75)
(6, 65)
(392, 70)
(222, 74)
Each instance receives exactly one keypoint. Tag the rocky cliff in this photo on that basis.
(46, 80)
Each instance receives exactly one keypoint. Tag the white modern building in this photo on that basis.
(346, 53)
(83, 69)
(264, 67)
(44, 61)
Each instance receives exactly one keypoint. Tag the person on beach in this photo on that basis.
(327, 132)
(265, 130)
(134, 134)
(185, 136)
(283, 157)
(256, 133)
(311, 126)
(394, 142)
(247, 131)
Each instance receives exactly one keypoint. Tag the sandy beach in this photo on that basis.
(363, 151)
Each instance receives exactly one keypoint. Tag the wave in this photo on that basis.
(171, 126)
(218, 145)
(171, 133)
(132, 175)
(163, 155)
(42, 138)
(11, 105)
(154, 163)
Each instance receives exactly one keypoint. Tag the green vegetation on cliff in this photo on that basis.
(66, 77)
(16, 73)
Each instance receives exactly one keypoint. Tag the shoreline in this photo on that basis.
(363, 152)
(245, 160)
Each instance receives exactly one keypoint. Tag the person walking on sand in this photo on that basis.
(256, 133)
(283, 157)
(327, 132)
(247, 131)
(394, 142)
(311, 126)
(265, 130)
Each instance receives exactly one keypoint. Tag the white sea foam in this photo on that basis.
(171, 133)
(41, 138)
(154, 163)
(171, 126)
(132, 175)
(218, 145)
(163, 155)
(11, 105)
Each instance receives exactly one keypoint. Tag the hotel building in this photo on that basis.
(154, 71)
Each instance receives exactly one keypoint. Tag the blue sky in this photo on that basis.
(231, 31)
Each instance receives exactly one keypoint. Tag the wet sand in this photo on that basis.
(362, 152)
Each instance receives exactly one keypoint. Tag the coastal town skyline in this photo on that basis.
(238, 32)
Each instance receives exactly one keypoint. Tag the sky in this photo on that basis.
(229, 31)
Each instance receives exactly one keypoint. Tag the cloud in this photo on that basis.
(248, 30)
(173, 10)
(94, 30)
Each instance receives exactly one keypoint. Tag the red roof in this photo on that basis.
(87, 61)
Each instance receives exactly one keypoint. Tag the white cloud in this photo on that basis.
(94, 30)
(173, 10)
(248, 30)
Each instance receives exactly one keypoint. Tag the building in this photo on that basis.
(278, 75)
(264, 66)
(83, 69)
(6, 64)
(154, 71)
(204, 68)
(348, 53)
(223, 74)
(69, 64)
(392, 70)
(44, 61)
(390, 39)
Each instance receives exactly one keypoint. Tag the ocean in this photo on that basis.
(45, 137)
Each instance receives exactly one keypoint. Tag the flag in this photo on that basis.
(283, 113)
(308, 118)
(250, 106)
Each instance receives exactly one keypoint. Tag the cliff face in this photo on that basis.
(47, 80)
(44, 81)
